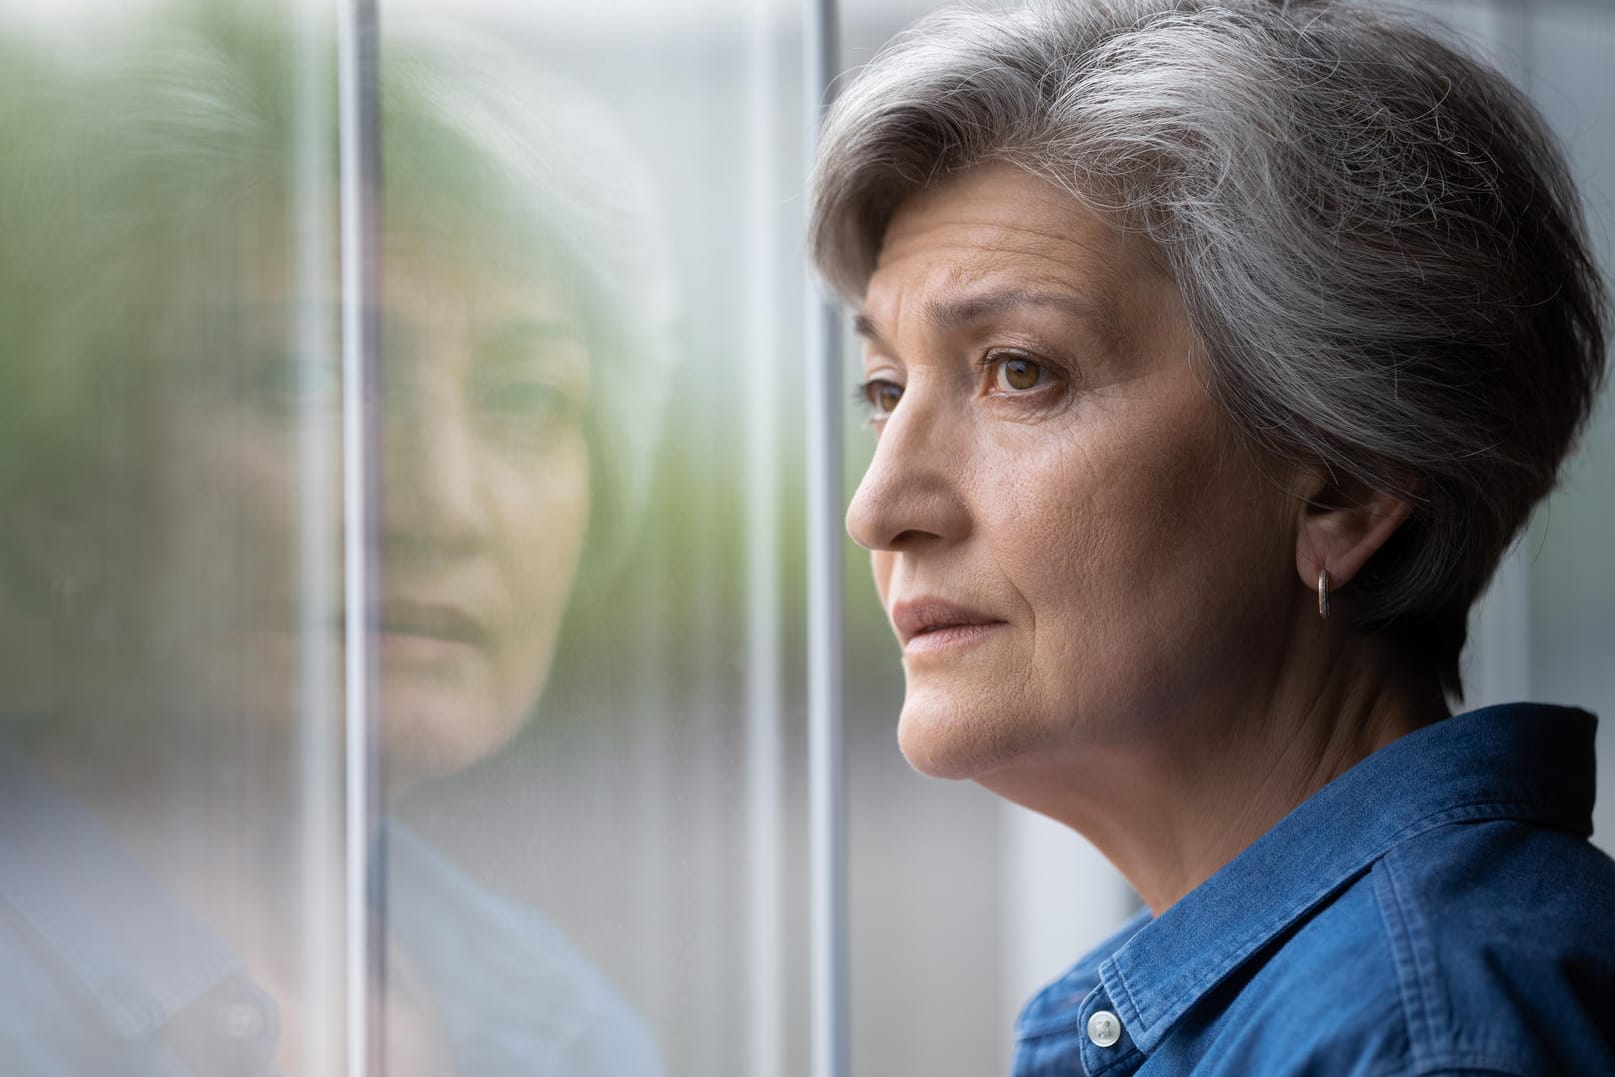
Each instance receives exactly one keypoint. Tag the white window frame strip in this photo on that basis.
(827, 840)
(359, 182)
(320, 807)
(765, 749)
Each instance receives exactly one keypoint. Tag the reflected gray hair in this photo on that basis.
(1377, 242)
(163, 140)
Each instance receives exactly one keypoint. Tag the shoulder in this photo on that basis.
(1475, 948)
(1503, 937)
(1318, 999)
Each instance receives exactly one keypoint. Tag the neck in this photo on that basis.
(1171, 807)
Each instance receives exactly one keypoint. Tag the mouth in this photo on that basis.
(928, 624)
(411, 619)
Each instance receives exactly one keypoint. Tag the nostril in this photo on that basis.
(901, 517)
(911, 538)
(877, 523)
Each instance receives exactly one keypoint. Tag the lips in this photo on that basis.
(431, 620)
(914, 618)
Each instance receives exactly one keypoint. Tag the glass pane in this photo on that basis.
(591, 278)
(170, 834)
(588, 595)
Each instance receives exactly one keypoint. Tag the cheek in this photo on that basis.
(543, 525)
(1053, 519)
(228, 500)
(880, 564)
(1131, 538)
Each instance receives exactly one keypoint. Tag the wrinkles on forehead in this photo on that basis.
(1008, 241)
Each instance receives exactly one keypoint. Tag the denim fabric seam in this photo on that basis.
(1259, 937)
(1435, 1001)
(1242, 952)
(1405, 959)
(1031, 1028)
(1065, 1023)
(1063, 1029)
(1121, 996)
(1129, 1055)
(1469, 1062)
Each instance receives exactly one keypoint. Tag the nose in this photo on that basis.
(912, 494)
(431, 489)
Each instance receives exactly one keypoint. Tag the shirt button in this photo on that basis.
(1104, 1029)
(242, 1021)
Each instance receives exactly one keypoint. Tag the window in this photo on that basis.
(405, 596)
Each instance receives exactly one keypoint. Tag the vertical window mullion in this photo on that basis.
(320, 806)
(359, 170)
(826, 756)
(765, 766)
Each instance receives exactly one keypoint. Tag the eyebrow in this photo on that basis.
(954, 313)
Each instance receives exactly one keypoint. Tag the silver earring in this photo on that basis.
(1323, 592)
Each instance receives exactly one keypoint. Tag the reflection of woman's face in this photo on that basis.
(485, 480)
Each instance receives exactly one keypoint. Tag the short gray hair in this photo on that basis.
(1375, 237)
(163, 143)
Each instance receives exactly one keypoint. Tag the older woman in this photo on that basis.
(1217, 352)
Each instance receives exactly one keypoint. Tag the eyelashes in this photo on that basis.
(1015, 372)
(1008, 374)
(878, 397)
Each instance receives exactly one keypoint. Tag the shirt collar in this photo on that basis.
(130, 945)
(513, 988)
(1519, 761)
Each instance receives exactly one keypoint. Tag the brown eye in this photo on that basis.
(882, 396)
(1018, 374)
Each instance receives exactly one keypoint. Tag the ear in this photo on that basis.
(1343, 523)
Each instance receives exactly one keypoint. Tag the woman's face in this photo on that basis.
(1073, 546)
(485, 474)
(483, 509)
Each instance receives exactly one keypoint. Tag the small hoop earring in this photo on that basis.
(1323, 592)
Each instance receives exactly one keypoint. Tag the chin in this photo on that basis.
(432, 736)
(942, 739)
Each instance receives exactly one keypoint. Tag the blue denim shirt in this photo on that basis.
(103, 972)
(1437, 909)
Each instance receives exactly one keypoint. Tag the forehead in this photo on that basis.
(997, 227)
(431, 274)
